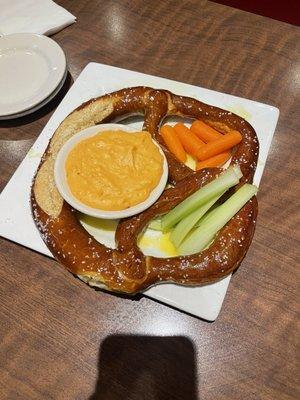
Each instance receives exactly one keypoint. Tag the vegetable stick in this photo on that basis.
(205, 132)
(215, 161)
(190, 142)
(155, 224)
(184, 226)
(212, 189)
(210, 226)
(172, 142)
(220, 145)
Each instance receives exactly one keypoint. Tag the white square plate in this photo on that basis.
(95, 80)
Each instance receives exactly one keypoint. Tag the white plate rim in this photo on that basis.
(38, 106)
(204, 302)
(46, 46)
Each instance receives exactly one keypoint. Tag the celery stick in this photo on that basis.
(155, 224)
(219, 217)
(186, 224)
(237, 171)
(206, 216)
(226, 180)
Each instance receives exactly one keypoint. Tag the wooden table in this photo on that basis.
(62, 340)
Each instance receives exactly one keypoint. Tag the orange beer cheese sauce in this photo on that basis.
(114, 170)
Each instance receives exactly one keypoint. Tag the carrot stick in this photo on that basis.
(190, 142)
(220, 145)
(172, 142)
(215, 161)
(205, 132)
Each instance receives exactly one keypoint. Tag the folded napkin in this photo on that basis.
(33, 16)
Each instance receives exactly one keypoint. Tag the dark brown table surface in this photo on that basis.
(61, 339)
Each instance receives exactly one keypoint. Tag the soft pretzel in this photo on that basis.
(126, 268)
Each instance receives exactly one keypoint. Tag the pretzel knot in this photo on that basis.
(126, 268)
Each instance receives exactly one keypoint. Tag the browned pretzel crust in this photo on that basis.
(127, 269)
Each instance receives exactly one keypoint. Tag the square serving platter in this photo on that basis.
(95, 80)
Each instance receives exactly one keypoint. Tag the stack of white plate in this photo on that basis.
(33, 69)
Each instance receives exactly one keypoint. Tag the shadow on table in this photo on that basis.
(146, 368)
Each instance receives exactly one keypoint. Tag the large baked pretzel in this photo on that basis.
(127, 269)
